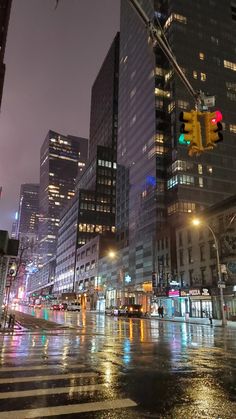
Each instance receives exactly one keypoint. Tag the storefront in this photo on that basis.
(200, 302)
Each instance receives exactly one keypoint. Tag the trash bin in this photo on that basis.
(186, 316)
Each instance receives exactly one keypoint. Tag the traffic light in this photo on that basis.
(154, 279)
(190, 132)
(213, 128)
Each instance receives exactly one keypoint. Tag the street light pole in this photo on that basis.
(220, 283)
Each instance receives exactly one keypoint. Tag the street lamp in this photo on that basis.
(196, 222)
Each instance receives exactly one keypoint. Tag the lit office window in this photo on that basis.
(230, 65)
(201, 182)
(232, 128)
(200, 169)
(183, 104)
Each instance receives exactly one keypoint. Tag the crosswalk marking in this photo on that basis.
(40, 367)
(68, 409)
(47, 377)
(47, 391)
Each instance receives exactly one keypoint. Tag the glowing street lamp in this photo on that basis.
(112, 254)
(196, 222)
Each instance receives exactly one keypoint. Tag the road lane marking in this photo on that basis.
(37, 378)
(40, 367)
(68, 409)
(47, 391)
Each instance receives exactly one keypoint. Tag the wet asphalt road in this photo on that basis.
(101, 367)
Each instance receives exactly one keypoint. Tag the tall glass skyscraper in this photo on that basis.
(60, 160)
(158, 183)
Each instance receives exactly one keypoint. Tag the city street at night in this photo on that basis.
(118, 209)
(98, 366)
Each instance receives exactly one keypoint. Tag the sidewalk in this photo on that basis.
(194, 320)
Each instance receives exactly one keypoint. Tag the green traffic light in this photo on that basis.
(182, 140)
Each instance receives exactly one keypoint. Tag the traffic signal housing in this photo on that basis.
(190, 131)
(213, 128)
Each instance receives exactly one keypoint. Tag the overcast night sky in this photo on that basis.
(52, 59)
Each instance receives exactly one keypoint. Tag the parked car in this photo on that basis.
(73, 306)
(55, 307)
(63, 306)
(129, 310)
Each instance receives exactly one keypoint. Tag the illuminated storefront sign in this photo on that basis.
(195, 291)
(173, 293)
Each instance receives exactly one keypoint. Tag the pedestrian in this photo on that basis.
(162, 312)
(210, 320)
(159, 311)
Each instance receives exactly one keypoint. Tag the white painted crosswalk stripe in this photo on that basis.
(68, 409)
(40, 367)
(52, 377)
(48, 391)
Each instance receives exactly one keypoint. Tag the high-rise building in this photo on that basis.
(92, 212)
(28, 214)
(158, 182)
(5, 7)
(97, 186)
(61, 158)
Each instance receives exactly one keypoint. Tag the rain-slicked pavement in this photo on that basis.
(102, 367)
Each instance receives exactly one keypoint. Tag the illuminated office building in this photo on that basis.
(158, 183)
(61, 158)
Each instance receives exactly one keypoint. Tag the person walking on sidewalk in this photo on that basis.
(162, 311)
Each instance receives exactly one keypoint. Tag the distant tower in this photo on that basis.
(60, 158)
(28, 213)
(5, 7)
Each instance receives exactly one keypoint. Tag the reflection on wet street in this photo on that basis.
(106, 367)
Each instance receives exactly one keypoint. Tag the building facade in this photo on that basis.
(66, 249)
(162, 183)
(28, 213)
(93, 209)
(5, 8)
(60, 158)
(97, 186)
(197, 261)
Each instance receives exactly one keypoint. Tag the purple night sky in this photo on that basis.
(52, 59)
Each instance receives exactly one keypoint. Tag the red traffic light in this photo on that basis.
(217, 117)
